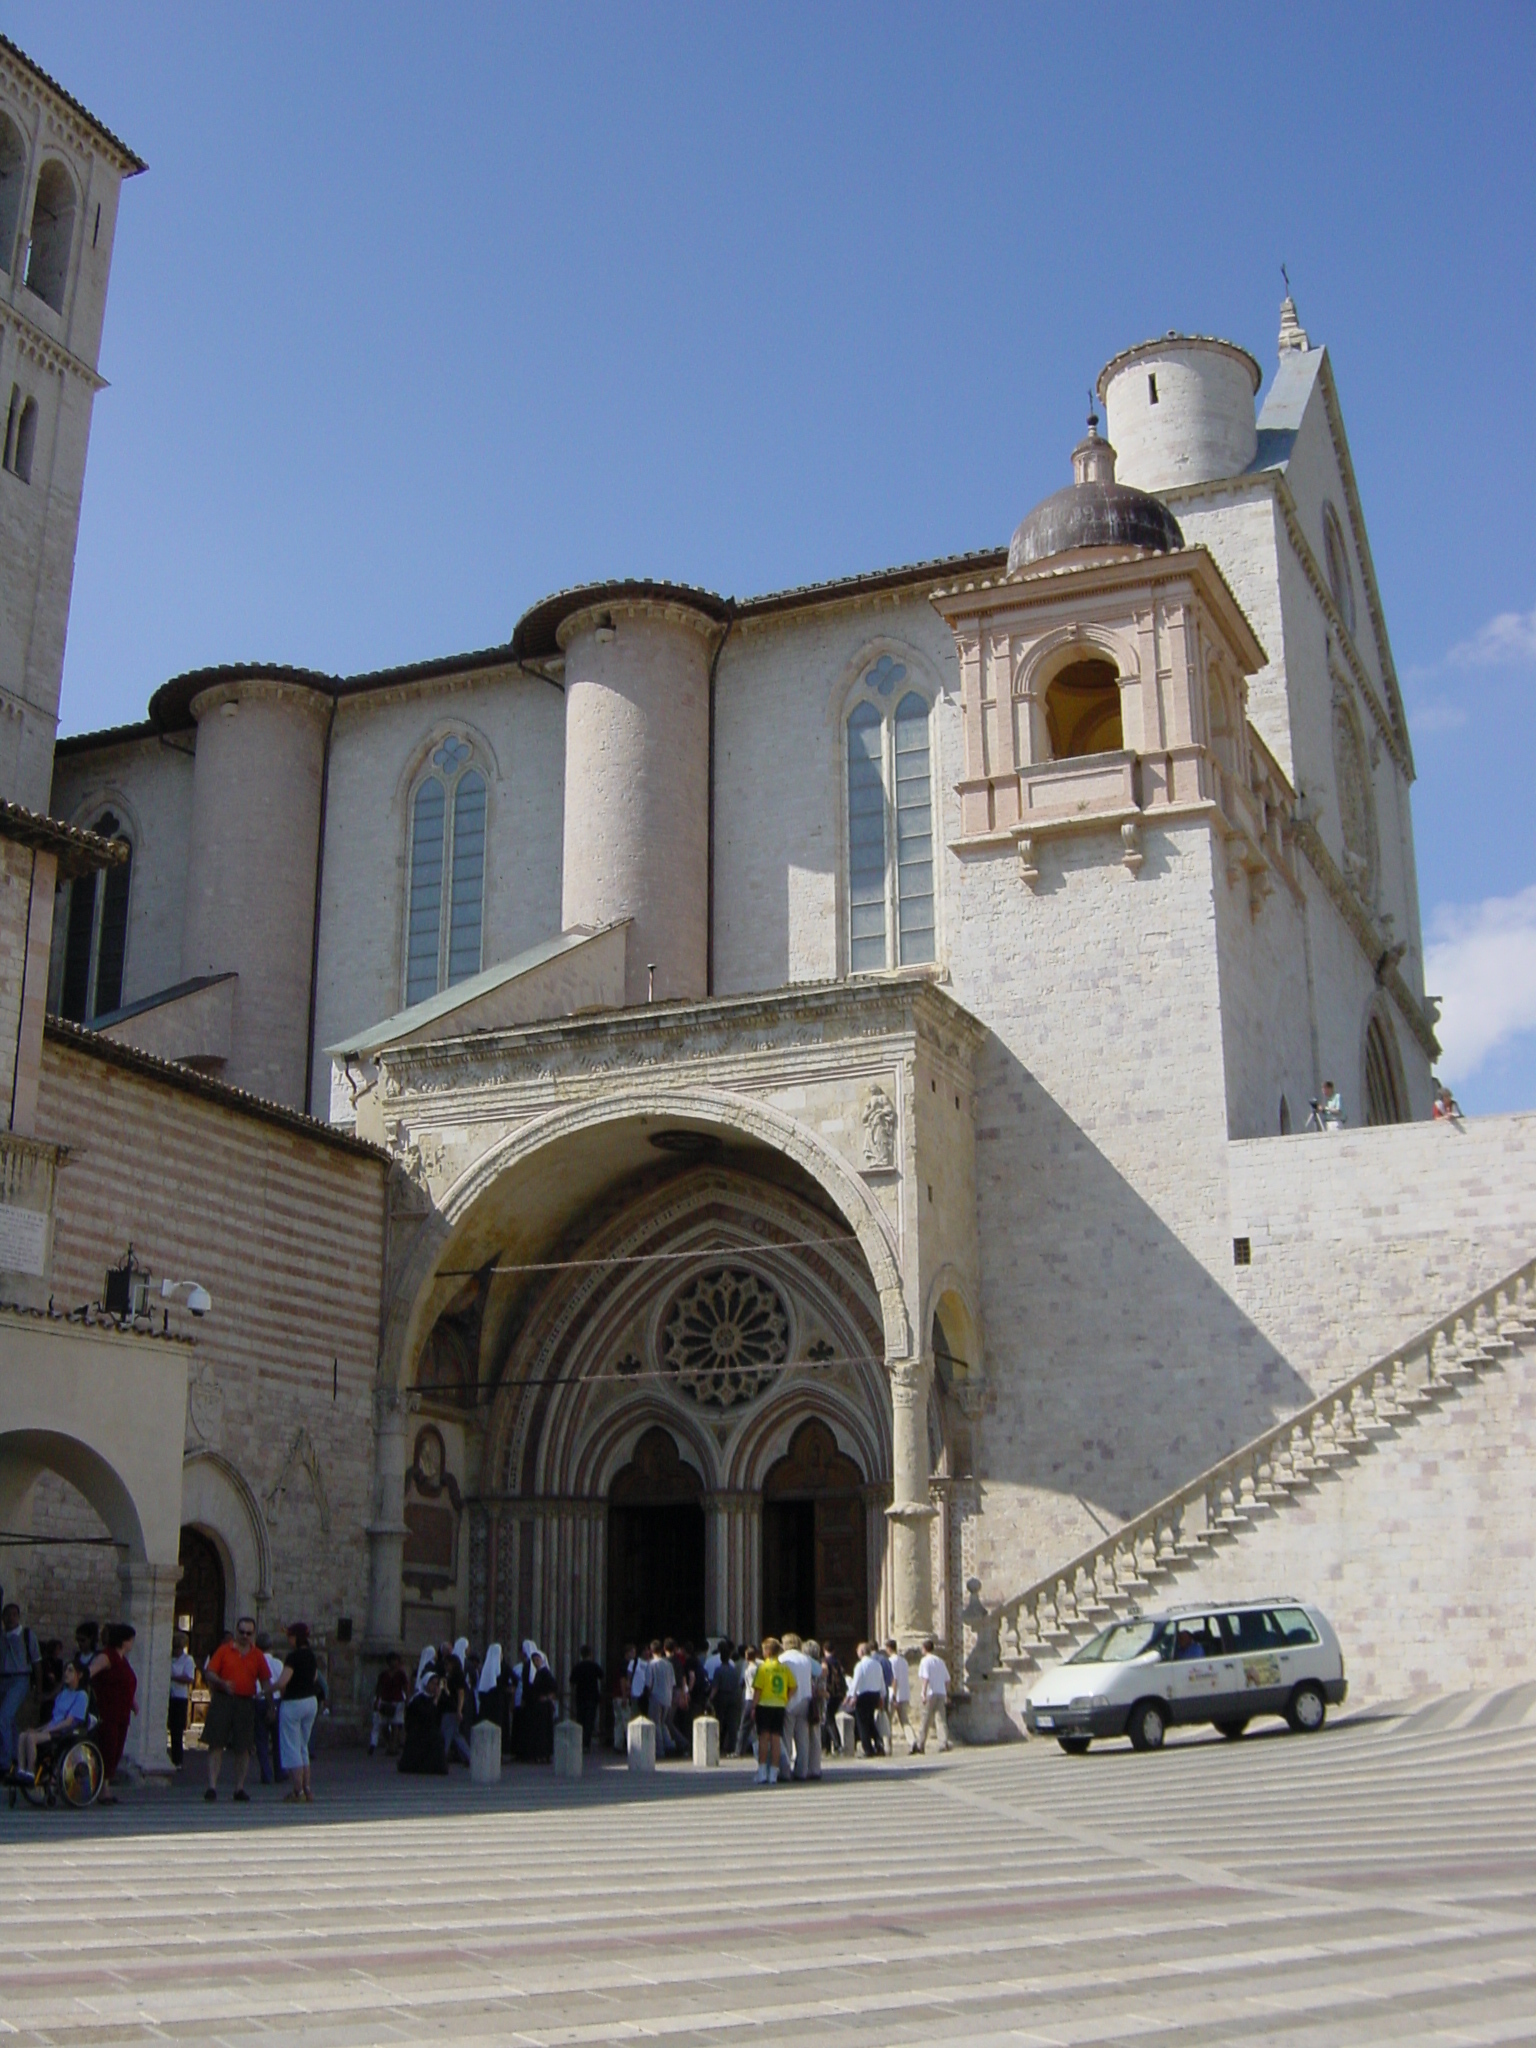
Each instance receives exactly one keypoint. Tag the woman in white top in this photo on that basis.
(183, 1673)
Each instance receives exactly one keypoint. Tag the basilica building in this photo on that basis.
(726, 1114)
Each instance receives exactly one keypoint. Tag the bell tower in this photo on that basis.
(60, 175)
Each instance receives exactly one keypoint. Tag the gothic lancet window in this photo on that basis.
(891, 920)
(447, 878)
(96, 936)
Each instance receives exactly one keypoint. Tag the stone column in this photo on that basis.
(149, 1602)
(386, 1528)
(911, 1510)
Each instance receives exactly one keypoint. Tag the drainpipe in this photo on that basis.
(314, 944)
(709, 901)
(21, 1006)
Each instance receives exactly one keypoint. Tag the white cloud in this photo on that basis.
(1480, 960)
(1436, 714)
(1508, 641)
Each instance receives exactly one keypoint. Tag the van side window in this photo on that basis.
(1255, 1630)
(1294, 1626)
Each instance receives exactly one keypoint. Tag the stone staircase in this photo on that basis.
(1139, 1565)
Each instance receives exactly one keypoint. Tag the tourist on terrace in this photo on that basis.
(726, 1695)
(586, 1693)
(1446, 1108)
(868, 1698)
(901, 1695)
(71, 1715)
(116, 1692)
(536, 1721)
(773, 1687)
(746, 1734)
(835, 1691)
(933, 1687)
(453, 1701)
(266, 1711)
(19, 1657)
(183, 1676)
(662, 1684)
(389, 1695)
(298, 1704)
(1333, 1107)
(237, 1675)
(797, 1715)
(423, 1752)
(491, 1693)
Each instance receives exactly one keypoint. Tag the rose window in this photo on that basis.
(726, 1338)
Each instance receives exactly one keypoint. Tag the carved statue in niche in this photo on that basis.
(434, 1508)
(879, 1120)
(449, 1366)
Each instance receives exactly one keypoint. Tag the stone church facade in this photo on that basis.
(793, 1108)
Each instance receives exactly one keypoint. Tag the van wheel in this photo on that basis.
(1232, 1729)
(1075, 1745)
(1307, 1711)
(1147, 1726)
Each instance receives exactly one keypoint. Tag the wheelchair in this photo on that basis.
(70, 1768)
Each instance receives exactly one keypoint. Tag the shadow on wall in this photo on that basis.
(1118, 1368)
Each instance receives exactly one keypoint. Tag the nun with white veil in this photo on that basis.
(535, 1732)
(491, 1692)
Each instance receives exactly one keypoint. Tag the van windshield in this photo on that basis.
(1124, 1642)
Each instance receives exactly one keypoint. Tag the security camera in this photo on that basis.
(199, 1300)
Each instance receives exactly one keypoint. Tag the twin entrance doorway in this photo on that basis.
(814, 1546)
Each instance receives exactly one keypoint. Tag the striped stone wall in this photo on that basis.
(284, 1227)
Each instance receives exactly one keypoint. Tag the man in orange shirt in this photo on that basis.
(237, 1673)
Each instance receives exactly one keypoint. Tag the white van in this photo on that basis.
(1219, 1664)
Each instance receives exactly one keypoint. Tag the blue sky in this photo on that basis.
(421, 313)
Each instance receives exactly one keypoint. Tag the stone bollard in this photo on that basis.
(813, 1745)
(706, 1743)
(484, 1753)
(847, 1733)
(641, 1736)
(567, 1749)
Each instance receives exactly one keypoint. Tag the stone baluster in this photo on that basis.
(1166, 1543)
(1282, 1465)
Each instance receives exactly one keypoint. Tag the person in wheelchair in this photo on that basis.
(71, 1717)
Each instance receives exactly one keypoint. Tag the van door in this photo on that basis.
(1263, 1658)
(1204, 1675)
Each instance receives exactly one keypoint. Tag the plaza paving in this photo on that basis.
(1375, 1883)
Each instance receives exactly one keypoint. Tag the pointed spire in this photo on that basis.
(1293, 336)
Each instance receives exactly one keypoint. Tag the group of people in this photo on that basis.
(427, 1722)
(252, 1693)
(780, 1699)
(47, 1698)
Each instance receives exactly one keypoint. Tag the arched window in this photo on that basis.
(96, 935)
(20, 435)
(891, 921)
(13, 171)
(447, 885)
(1336, 562)
(1383, 1096)
(1082, 711)
(53, 233)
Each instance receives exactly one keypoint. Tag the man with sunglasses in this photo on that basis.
(237, 1675)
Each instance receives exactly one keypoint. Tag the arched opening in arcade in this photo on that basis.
(652, 1363)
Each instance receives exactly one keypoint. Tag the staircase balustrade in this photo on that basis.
(1104, 1582)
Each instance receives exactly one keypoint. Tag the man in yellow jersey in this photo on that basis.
(773, 1687)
